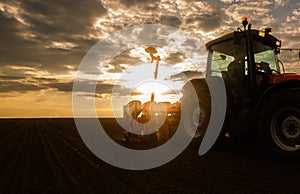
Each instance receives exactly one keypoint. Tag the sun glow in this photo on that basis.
(137, 84)
(146, 88)
(139, 79)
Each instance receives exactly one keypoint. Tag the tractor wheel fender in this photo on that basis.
(272, 90)
(198, 84)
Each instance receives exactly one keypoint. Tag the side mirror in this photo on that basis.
(223, 57)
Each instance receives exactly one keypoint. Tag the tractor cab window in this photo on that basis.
(265, 58)
(220, 63)
(223, 56)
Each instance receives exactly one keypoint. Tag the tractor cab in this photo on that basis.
(245, 59)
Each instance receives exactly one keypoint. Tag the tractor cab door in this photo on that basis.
(266, 64)
(228, 60)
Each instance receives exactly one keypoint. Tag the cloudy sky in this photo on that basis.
(43, 43)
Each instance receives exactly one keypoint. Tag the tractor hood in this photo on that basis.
(274, 79)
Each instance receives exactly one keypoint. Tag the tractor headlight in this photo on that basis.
(278, 43)
(261, 33)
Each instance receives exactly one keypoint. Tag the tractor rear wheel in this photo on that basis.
(279, 124)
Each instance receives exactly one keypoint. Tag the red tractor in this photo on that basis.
(261, 98)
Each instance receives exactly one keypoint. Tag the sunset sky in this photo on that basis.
(43, 43)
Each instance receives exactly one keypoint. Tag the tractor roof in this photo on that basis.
(260, 36)
(227, 37)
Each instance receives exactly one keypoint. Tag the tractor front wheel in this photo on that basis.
(196, 119)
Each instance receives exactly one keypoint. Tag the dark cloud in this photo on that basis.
(43, 79)
(23, 84)
(15, 73)
(170, 21)
(116, 69)
(136, 93)
(13, 47)
(48, 22)
(36, 83)
(10, 78)
(170, 92)
(184, 75)
(120, 90)
(15, 50)
(92, 95)
(7, 13)
(9, 86)
(206, 22)
(175, 57)
(82, 86)
(123, 58)
(139, 3)
(62, 17)
(65, 87)
(90, 87)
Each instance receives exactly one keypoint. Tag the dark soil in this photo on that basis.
(48, 156)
